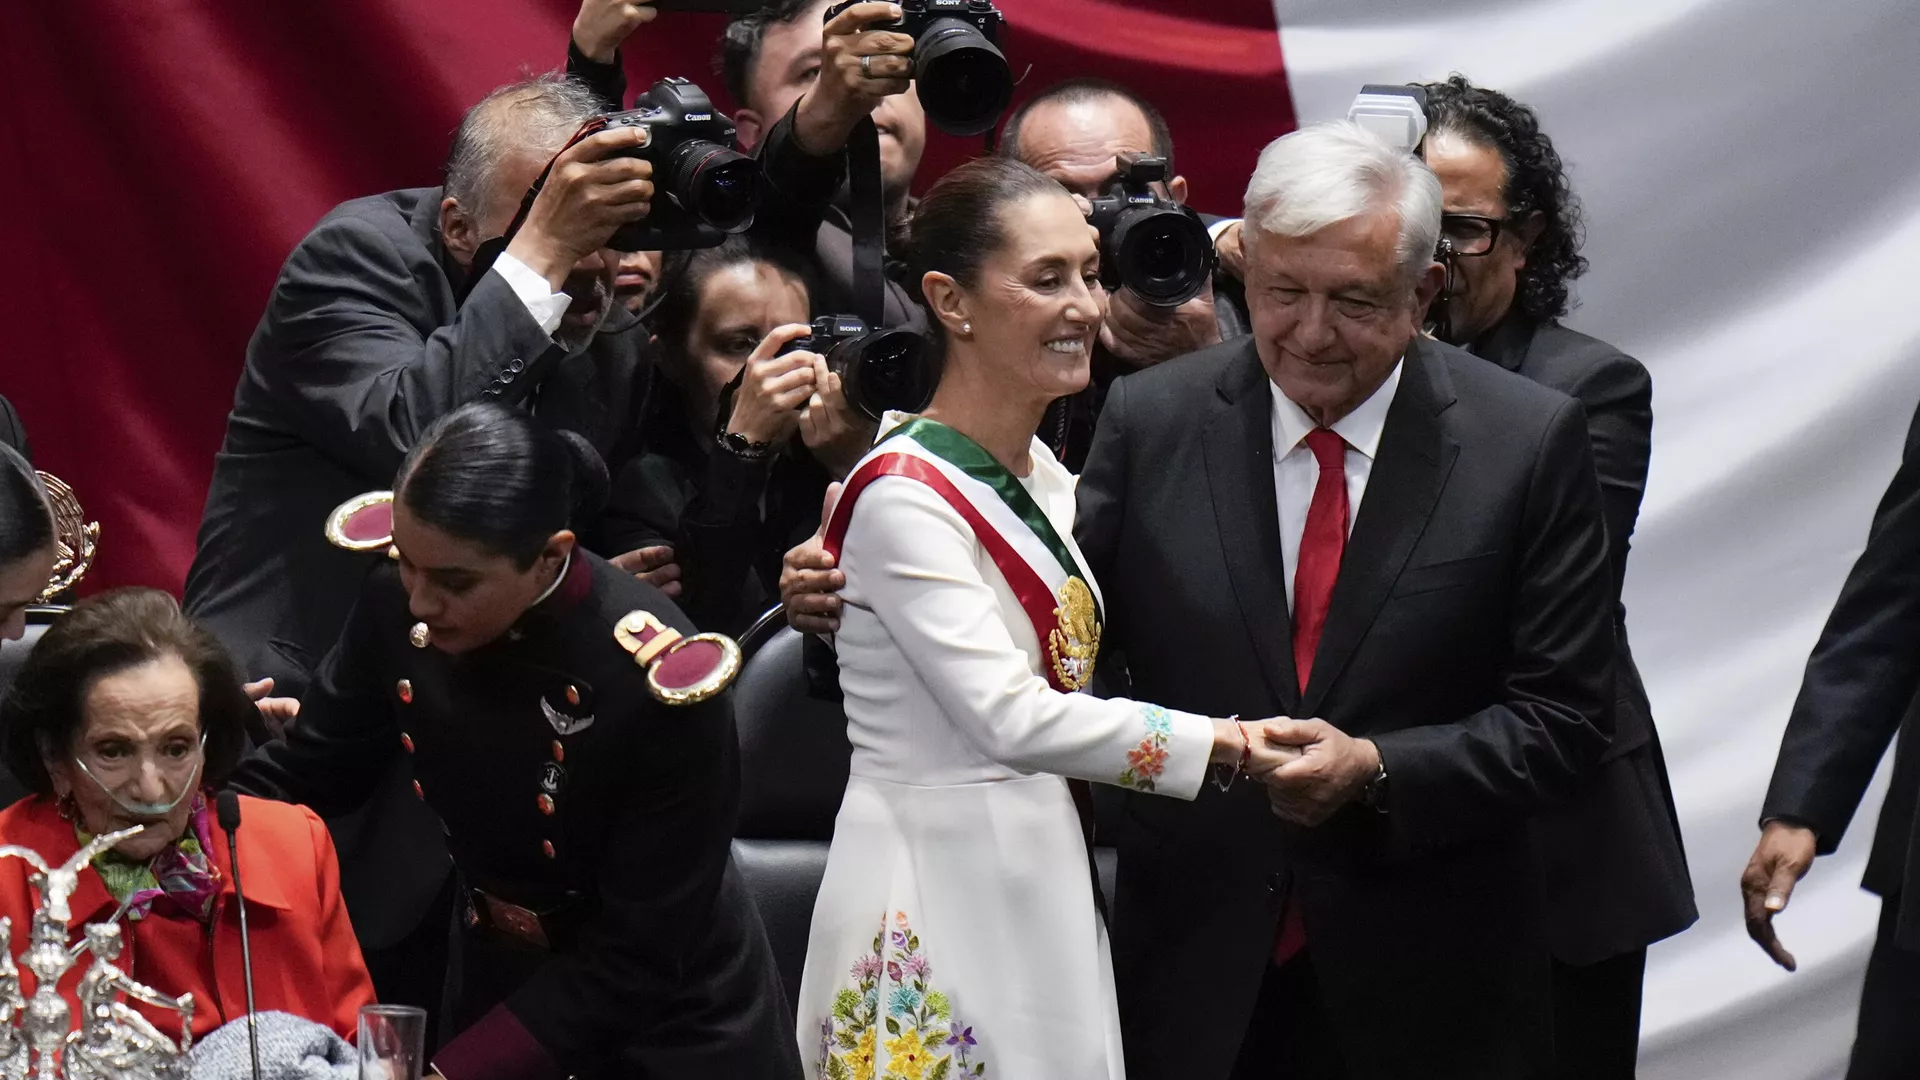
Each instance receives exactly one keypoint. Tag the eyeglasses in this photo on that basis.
(1471, 234)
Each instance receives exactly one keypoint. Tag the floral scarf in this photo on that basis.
(178, 881)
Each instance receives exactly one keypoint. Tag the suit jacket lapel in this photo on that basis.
(1411, 467)
(1239, 454)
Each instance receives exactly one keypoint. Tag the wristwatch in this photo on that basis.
(1374, 795)
(740, 446)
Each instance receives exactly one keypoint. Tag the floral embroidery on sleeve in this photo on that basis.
(1148, 760)
(921, 1039)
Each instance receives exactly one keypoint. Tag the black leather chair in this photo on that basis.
(793, 772)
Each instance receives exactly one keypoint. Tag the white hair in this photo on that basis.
(1335, 171)
(533, 116)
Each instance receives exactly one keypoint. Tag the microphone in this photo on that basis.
(226, 808)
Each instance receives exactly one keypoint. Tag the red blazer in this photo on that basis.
(305, 958)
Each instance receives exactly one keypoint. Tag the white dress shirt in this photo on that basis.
(545, 305)
(1296, 472)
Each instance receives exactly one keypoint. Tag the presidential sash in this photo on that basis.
(1042, 568)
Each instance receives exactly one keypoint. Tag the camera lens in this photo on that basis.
(886, 369)
(1164, 255)
(964, 81)
(714, 184)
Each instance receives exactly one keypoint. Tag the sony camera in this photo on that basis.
(879, 369)
(703, 188)
(963, 79)
(1149, 243)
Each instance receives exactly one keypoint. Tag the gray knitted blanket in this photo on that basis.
(291, 1048)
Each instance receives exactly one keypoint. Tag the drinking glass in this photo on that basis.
(392, 1042)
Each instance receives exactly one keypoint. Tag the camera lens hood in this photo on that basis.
(964, 80)
(1163, 254)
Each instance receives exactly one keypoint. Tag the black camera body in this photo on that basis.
(1150, 244)
(879, 369)
(964, 81)
(703, 188)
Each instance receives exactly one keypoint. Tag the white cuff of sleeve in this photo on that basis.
(545, 305)
(1214, 230)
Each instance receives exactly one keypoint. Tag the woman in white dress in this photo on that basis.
(956, 932)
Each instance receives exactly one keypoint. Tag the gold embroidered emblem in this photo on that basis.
(1075, 643)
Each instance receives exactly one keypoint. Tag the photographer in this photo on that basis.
(803, 88)
(363, 345)
(1616, 870)
(1075, 132)
(742, 440)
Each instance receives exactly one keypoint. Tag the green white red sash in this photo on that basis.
(1043, 569)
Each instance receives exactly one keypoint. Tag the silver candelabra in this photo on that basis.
(113, 1041)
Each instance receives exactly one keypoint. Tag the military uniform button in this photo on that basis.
(417, 789)
(406, 743)
(404, 688)
(544, 802)
(559, 751)
(573, 695)
(546, 848)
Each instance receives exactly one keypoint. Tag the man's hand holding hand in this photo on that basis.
(858, 68)
(1780, 860)
(1331, 771)
(602, 25)
(277, 712)
(590, 193)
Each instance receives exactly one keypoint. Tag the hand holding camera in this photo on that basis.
(592, 190)
(1139, 334)
(859, 66)
(776, 382)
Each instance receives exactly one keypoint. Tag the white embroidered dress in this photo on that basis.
(955, 933)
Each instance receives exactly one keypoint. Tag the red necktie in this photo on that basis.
(1321, 544)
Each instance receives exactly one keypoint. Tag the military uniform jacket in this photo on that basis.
(565, 787)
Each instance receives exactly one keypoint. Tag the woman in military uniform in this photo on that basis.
(572, 734)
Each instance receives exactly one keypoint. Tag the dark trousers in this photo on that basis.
(1596, 1017)
(413, 971)
(1289, 1037)
(1886, 1044)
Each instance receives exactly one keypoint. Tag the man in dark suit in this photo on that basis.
(1616, 870)
(1433, 526)
(1858, 692)
(364, 343)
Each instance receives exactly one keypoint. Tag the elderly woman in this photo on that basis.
(126, 713)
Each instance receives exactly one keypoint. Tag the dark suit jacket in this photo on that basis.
(1616, 871)
(620, 826)
(1469, 637)
(362, 348)
(1857, 692)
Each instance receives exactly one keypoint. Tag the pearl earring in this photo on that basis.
(966, 328)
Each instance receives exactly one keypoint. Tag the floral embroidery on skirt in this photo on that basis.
(911, 1022)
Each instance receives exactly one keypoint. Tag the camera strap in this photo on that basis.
(488, 252)
(869, 217)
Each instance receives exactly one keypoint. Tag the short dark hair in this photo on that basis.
(740, 46)
(686, 273)
(1079, 91)
(105, 634)
(956, 227)
(26, 518)
(1536, 182)
(497, 477)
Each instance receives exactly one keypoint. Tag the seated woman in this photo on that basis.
(27, 552)
(126, 713)
(741, 442)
